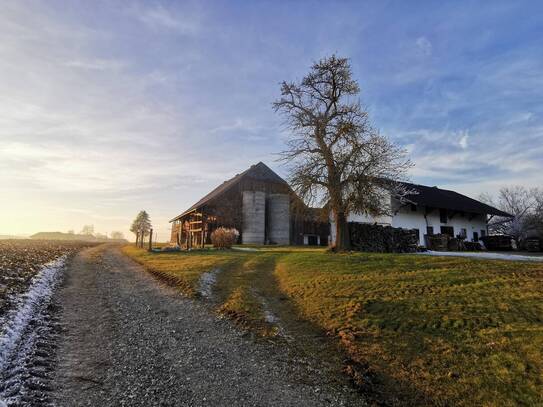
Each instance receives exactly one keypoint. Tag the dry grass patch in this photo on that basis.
(182, 269)
(420, 330)
(433, 330)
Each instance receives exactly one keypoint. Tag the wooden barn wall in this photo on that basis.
(226, 209)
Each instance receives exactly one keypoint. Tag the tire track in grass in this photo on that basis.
(279, 320)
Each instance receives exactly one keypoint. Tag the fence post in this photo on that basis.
(151, 239)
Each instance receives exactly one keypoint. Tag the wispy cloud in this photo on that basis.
(110, 108)
(158, 16)
(463, 142)
(424, 45)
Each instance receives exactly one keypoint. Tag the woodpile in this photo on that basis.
(472, 246)
(437, 242)
(533, 245)
(497, 242)
(382, 239)
(443, 243)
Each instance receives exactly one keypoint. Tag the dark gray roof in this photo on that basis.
(443, 198)
(259, 172)
(426, 196)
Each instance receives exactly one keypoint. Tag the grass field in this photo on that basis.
(420, 330)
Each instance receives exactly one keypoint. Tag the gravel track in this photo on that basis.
(130, 341)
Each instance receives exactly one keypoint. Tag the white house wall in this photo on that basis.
(408, 219)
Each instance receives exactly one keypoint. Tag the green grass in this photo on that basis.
(443, 330)
(183, 269)
(437, 330)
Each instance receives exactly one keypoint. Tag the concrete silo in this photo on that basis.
(279, 219)
(254, 217)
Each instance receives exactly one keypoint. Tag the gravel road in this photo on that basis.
(130, 341)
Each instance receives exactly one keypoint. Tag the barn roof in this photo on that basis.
(443, 198)
(426, 196)
(258, 172)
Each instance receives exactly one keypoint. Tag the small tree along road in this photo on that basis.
(337, 158)
(141, 226)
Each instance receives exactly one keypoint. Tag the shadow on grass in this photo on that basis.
(309, 343)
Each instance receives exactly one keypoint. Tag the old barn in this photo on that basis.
(260, 205)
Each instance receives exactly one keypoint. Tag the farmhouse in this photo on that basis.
(265, 210)
(260, 205)
(432, 210)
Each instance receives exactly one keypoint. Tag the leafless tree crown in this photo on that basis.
(526, 206)
(335, 155)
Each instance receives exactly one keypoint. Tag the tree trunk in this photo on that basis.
(343, 239)
(137, 238)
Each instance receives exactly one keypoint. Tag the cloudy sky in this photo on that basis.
(108, 107)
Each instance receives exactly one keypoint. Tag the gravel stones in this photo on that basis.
(130, 341)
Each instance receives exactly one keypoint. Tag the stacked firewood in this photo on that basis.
(384, 239)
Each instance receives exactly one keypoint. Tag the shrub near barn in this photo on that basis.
(224, 238)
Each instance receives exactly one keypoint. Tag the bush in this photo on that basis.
(224, 238)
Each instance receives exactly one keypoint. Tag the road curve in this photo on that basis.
(129, 341)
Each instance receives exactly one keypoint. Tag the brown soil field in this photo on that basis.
(20, 261)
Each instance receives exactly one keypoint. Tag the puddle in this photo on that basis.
(207, 282)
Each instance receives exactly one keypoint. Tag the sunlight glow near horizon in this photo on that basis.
(107, 109)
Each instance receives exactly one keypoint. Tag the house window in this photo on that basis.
(475, 236)
(413, 208)
(443, 215)
(447, 230)
(429, 230)
(463, 233)
(417, 232)
(483, 233)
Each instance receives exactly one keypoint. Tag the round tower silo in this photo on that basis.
(254, 217)
(279, 219)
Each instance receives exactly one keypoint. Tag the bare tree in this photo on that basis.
(134, 228)
(336, 157)
(117, 235)
(88, 230)
(141, 226)
(526, 206)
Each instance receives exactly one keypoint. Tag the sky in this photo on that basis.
(110, 107)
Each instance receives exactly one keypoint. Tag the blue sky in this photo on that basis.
(110, 107)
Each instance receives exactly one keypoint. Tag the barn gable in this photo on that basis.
(257, 202)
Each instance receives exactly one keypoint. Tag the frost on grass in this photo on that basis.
(270, 317)
(207, 282)
(22, 330)
(485, 255)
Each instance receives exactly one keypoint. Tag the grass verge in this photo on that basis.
(419, 329)
(435, 330)
(182, 269)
